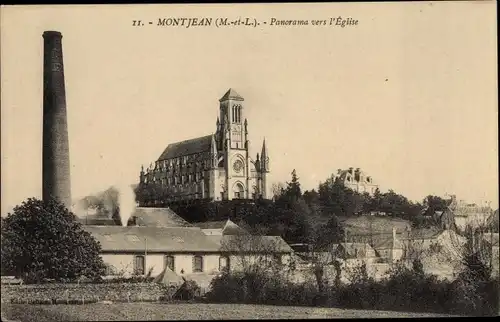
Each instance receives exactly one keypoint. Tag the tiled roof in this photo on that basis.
(192, 146)
(234, 230)
(96, 220)
(227, 227)
(231, 94)
(211, 224)
(158, 217)
(151, 239)
(251, 243)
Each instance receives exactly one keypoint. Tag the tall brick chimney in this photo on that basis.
(55, 156)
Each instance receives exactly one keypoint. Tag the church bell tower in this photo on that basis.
(234, 145)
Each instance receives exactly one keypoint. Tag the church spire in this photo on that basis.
(231, 94)
(264, 157)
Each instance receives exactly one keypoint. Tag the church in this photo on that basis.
(212, 167)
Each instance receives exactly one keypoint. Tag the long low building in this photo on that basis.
(151, 246)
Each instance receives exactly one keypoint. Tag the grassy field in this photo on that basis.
(196, 311)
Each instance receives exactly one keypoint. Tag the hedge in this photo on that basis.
(402, 291)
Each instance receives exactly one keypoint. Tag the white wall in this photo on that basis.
(183, 262)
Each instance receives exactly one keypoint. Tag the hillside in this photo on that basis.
(363, 225)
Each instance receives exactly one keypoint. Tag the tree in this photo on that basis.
(43, 240)
(331, 233)
(435, 203)
(293, 191)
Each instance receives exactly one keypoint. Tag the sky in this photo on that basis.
(409, 95)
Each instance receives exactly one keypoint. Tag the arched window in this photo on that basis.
(238, 191)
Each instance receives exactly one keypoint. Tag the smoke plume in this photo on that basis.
(117, 203)
(126, 202)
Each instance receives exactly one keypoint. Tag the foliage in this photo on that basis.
(43, 240)
(404, 289)
(188, 291)
(435, 203)
(296, 215)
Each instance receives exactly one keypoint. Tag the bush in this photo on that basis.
(258, 288)
(227, 288)
(188, 291)
(43, 240)
(404, 290)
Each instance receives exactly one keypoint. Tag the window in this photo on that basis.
(223, 263)
(139, 265)
(197, 264)
(278, 258)
(170, 262)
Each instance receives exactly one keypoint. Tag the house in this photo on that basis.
(390, 248)
(356, 180)
(348, 251)
(136, 249)
(466, 214)
(219, 228)
(432, 239)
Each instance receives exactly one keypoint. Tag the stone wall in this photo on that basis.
(116, 292)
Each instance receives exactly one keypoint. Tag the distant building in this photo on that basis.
(356, 180)
(470, 214)
(216, 166)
